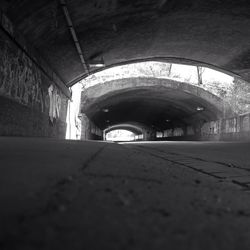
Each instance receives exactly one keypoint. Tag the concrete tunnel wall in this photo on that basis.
(89, 131)
(229, 129)
(33, 100)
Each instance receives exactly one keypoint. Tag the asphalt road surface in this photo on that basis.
(57, 194)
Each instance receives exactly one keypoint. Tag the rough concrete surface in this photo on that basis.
(144, 99)
(57, 194)
(214, 32)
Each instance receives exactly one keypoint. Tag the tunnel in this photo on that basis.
(175, 74)
(158, 104)
(137, 130)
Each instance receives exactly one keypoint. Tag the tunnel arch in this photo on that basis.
(219, 83)
(123, 32)
(136, 129)
(170, 60)
(65, 41)
(98, 93)
(139, 129)
(173, 93)
(156, 103)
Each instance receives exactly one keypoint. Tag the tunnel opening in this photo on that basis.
(170, 100)
(130, 131)
(122, 135)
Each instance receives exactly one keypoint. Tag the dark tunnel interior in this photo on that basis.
(159, 108)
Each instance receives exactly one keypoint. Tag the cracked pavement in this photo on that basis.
(59, 194)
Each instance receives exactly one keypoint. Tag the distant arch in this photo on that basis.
(136, 129)
(100, 92)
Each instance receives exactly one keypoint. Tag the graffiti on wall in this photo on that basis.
(178, 132)
(211, 128)
(168, 133)
(55, 102)
(231, 125)
(19, 77)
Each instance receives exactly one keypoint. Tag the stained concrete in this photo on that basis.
(157, 104)
(59, 194)
(33, 101)
(215, 32)
(150, 106)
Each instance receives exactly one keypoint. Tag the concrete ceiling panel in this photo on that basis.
(216, 32)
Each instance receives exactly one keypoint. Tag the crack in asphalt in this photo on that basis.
(92, 158)
(230, 165)
(213, 174)
(179, 163)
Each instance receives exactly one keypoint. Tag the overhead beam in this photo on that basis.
(199, 74)
(74, 36)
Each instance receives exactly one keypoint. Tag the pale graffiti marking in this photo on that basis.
(231, 125)
(211, 128)
(54, 103)
(178, 132)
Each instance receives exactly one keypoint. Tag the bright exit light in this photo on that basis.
(199, 108)
(216, 82)
(105, 110)
(120, 135)
(73, 116)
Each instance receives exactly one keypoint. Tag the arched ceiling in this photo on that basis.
(156, 107)
(131, 126)
(216, 31)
